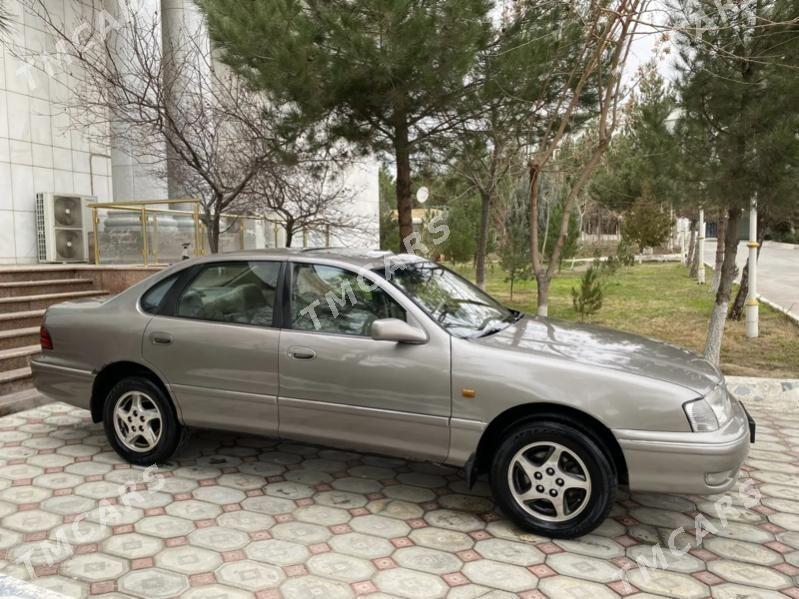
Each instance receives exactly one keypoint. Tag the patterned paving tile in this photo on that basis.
(237, 516)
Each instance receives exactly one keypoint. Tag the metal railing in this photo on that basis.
(164, 231)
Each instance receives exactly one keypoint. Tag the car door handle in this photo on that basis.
(302, 353)
(161, 338)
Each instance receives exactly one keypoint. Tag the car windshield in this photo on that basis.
(457, 305)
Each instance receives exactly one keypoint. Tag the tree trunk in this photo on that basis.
(482, 241)
(403, 187)
(542, 280)
(289, 235)
(715, 333)
(212, 231)
(696, 259)
(691, 248)
(541, 276)
(699, 259)
(737, 310)
(546, 229)
(720, 240)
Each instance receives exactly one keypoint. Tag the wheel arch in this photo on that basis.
(111, 374)
(518, 415)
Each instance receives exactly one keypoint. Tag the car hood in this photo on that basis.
(607, 348)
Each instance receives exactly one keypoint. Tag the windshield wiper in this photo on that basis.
(513, 317)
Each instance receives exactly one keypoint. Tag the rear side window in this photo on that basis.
(235, 292)
(152, 300)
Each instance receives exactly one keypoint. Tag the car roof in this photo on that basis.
(357, 257)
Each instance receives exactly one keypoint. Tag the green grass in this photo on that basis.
(661, 301)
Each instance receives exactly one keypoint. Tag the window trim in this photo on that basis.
(288, 296)
(189, 275)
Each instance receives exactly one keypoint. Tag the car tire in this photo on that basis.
(140, 422)
(553, 479)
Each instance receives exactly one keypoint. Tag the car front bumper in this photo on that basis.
(687, 462)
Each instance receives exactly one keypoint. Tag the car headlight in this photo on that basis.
(710, 412)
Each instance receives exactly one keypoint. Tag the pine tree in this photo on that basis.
(587, 300)
(645, 152)
(514, 248)
(390, 75)
(646, 224)
(528, 60)
(737, 88)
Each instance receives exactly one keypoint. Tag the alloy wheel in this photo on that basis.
(137, 421)
(549, 481)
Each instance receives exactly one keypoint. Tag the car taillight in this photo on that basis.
(44, 338)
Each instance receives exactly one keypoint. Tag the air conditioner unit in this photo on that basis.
(62, 225)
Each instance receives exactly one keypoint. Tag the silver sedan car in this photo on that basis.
(396, 355)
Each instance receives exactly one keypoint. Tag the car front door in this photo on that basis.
(340, 386)
(215, 342)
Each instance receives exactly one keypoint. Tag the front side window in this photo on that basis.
(333, 300)
(457, 305)
(235, 292)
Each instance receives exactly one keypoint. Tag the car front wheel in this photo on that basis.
(140, 423)
(553, 480)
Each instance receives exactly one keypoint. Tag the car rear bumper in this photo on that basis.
(696, 463)
(61, 383)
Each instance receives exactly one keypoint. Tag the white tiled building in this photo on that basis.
(39, 152)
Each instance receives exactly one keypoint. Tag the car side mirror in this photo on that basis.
(399, 331)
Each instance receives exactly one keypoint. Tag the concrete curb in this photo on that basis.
(20, 401)
(782, 309)
(778, 308)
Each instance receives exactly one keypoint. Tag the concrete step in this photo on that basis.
(17, 357)
(15, 380)
(40, 272)
(37, 302)
(19, 337)
(37, 287)
(21, 320)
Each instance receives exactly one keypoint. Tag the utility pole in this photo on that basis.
(752, 308)
(700, 248)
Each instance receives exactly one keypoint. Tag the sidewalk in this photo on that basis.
(243, 517)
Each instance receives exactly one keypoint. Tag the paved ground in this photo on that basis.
(778, 271)
(240, 516)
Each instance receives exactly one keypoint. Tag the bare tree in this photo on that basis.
(5, 19)
(165, 101)
(312, 199)
(608, 31)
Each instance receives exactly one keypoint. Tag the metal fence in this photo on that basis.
(164, 231)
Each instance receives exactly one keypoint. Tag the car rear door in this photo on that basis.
(339, 386)
(215, 342)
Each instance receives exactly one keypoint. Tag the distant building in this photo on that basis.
(41, 153)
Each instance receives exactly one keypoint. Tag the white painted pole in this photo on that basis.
(700, 248)
(752, 309)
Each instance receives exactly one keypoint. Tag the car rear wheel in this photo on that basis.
(140, 422)
(553, 480)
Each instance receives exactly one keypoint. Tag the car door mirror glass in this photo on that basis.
(399, 331)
